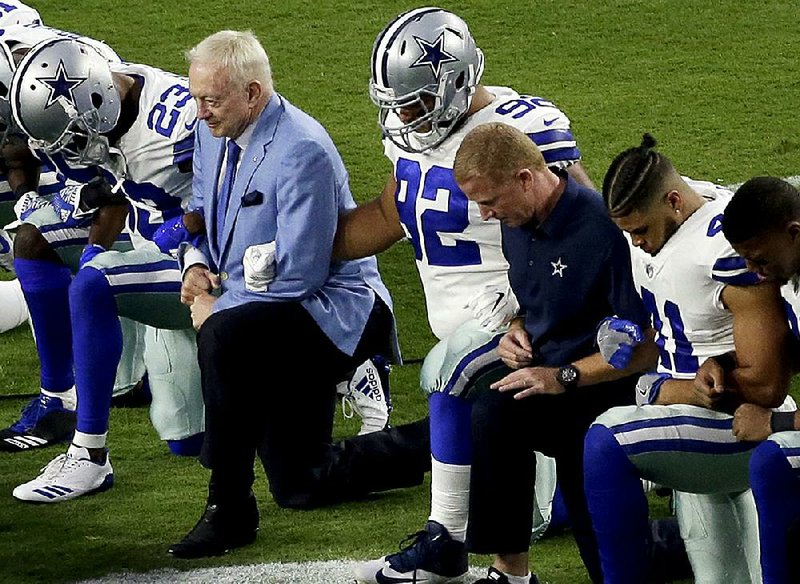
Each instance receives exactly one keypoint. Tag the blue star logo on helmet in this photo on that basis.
(61, 85)
(433, 54)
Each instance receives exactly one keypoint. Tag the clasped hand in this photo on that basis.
(752, 423)
(198, 282)
(516, 351)
(709, 384)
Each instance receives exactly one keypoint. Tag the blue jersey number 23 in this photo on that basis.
(164, 115)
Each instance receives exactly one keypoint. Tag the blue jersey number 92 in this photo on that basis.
(451, 216)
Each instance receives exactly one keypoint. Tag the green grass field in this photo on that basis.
(715, 82)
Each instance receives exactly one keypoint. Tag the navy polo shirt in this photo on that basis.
(569, 273)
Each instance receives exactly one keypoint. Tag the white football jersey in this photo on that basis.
(791, 301)
(160, 139)
(19, 37)
(13, 12)
(681, 286)
(459, 254)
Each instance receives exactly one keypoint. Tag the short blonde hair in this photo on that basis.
(497, 152)
(238, 52)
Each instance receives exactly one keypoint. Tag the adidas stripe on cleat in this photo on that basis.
(23, 442)
(45, 420)
(67, 476)
(53, 491)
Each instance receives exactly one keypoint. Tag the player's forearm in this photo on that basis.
(593, 370)
(767, 389)
(364, 232)
(796, 420)
(645, 355)
(22, 167)
(677, 391)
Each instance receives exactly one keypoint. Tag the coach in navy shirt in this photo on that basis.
(569, 268)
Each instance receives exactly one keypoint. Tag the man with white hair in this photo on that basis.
(272, 186)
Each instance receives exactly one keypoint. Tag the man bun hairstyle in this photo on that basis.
(634, 177)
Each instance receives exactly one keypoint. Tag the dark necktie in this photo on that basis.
(231, 160)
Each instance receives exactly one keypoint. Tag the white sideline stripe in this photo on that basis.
(327, 572)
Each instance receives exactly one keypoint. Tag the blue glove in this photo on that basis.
(616, 339)
(89, 252)
(77, 203)
(67, 205)
(28, 203)
(171, 234)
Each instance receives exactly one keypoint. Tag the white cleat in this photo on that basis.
(366, 393)
(67, 476)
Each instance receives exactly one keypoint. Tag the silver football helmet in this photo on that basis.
(426, 63)
(64, 99)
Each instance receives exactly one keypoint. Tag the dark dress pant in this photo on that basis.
(269, 376)
(505, 434)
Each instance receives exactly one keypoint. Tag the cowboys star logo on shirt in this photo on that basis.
(433, 54)
(558, 268)
(61, 85)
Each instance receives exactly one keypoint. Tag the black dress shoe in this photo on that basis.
(222, 528)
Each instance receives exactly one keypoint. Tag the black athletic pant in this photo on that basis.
(269, 378)
(505, 434)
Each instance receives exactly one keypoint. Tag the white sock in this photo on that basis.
(518, 579)
(89, 440)
(69, 398)
(450, 497)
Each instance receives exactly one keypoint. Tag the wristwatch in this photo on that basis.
(568, 376)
